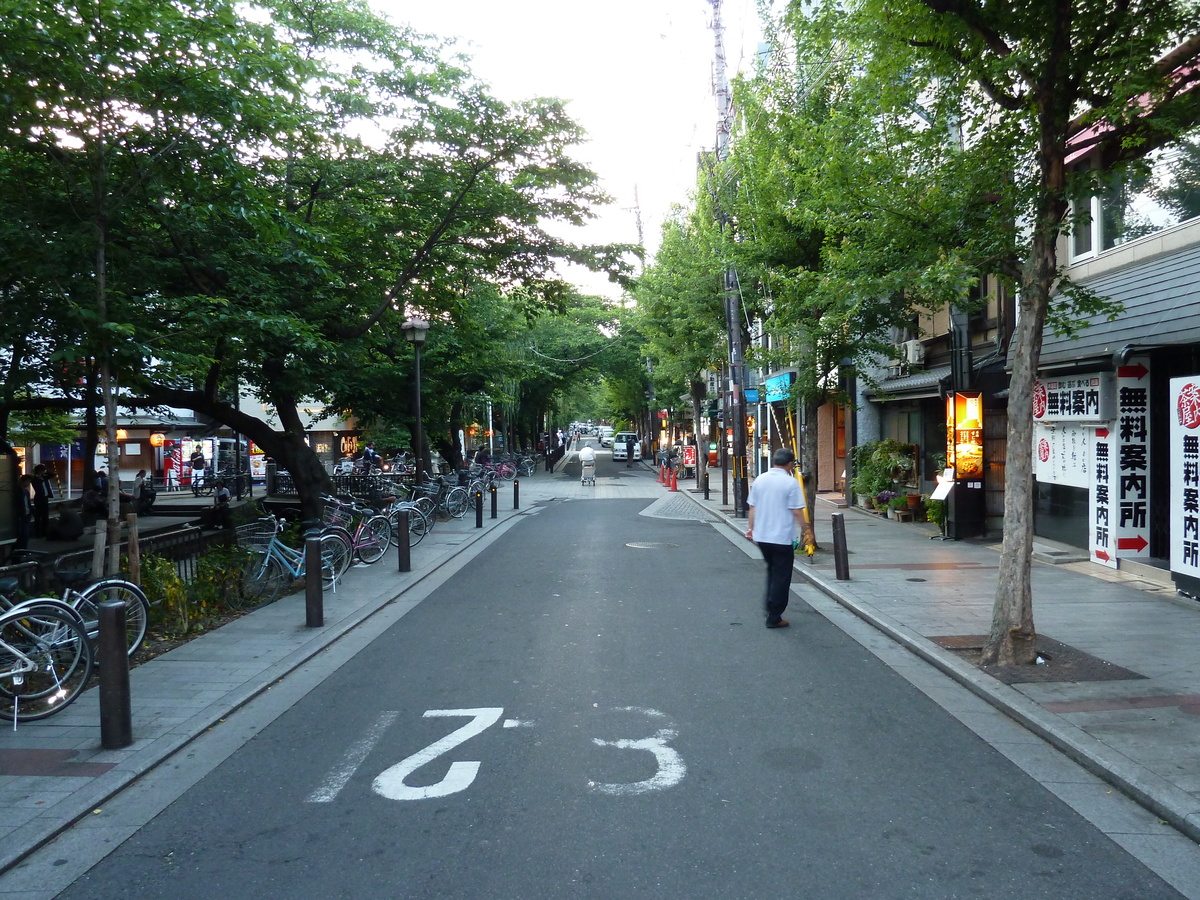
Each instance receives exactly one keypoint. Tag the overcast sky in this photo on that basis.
(637, 75)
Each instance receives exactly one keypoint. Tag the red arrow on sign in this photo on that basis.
(1136, 544)
(1100, 554)
(1139, 371)
(1101, 432)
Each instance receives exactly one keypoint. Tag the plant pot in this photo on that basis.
(914, 501)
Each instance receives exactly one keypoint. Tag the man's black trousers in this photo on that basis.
(780, 559)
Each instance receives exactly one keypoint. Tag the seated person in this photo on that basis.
(222, 512)
(68, 526)
(93, 502)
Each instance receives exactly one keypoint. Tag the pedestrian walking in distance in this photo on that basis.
(775, 522)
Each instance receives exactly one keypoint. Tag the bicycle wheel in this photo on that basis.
(374, 538)
(336, 555)
(458, 501)
(506, 471)
(87, 600)
(45, 661)
(429, 509)
(263, 579)
(418, 525)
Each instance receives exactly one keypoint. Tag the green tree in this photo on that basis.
(682, 311)
(278, 202)
(1009, 81)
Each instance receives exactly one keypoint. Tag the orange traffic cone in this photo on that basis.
(660, 473)
(674, 480)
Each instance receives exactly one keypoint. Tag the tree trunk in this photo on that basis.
(809, 455)
(1013, 638)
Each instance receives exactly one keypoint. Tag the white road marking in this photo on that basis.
(390, 782)
(354, 758)
(671, 767)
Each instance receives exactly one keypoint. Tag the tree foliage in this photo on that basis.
(265, 194)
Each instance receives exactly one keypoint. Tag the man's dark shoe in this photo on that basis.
(782, 623)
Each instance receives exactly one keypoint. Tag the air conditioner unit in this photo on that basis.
(913, 351)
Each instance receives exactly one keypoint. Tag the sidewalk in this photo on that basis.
(1121, 698)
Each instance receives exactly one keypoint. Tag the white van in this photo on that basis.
(619, 441)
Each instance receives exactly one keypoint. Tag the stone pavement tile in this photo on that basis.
(35, 800)
(1046, 764)
(1109, 809)
(69, 740)
(994, 729)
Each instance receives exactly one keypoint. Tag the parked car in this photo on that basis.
(619, 441)
(606, 436)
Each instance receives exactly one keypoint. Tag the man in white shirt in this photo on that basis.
(775, 522)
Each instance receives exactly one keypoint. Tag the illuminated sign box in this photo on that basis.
(779, 387)
(964, 435)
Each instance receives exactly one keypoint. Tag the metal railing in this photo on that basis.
(48, 575)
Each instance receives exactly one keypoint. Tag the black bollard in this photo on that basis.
(112, 656)
(403, 548)
(314, 587)
(492, 488)
(516, 493)
(478, 509)
(706, 485)
(841, 555)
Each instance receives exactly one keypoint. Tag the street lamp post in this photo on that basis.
(414, 332)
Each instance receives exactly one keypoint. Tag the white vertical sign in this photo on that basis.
(1063, 454)
(1102, 497)
(1185, 476)
(1133, 459)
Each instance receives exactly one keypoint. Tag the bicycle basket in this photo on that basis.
(256, 535)
(337, 515)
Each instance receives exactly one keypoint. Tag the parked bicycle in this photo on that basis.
(370, 534)
(85, 599)
(46, 659)
(273, 565)
(446, 494)
(420, 517)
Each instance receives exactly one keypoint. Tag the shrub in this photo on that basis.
(178, 608)
(172, 613)
(219, 579)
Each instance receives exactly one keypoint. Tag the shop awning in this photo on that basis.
(926, 383)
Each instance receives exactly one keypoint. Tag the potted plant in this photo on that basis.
(935, 511)
(884, 499)
(872, 474)
(900, 501)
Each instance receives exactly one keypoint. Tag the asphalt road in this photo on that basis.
(572, 716)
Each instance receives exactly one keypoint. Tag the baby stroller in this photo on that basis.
(589, 472)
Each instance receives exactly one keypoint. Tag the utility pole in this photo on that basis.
(735, 414)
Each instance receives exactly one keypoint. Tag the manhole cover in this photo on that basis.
(914, 579)
(650, 545)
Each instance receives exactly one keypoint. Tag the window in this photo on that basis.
(1138, 200)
